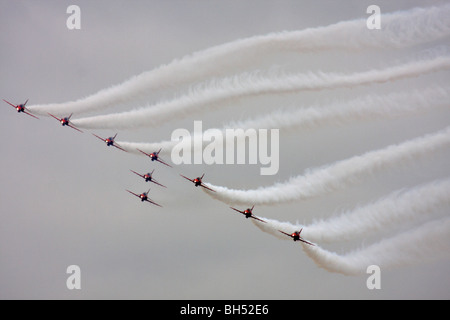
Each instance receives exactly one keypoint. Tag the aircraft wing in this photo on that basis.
(147, 154)
(303, 240)
(54, 116)
(10, 103)
(237, 210)
(99, 137)
(164, 163)
(256, 218)
(134, 194)
(74, 128)
(156, 182)
(30, 114)
(152, 202)
(140, 175)
(191, 180)
(119, 147)
(285, 233)
(207, 188)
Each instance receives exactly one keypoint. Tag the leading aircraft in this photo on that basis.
(148, 177)
(21, 108)
(65, 121)
(144, 197)
(296, 236)
(154, 156)
(198, 182)
(110, 142)
(248, 213)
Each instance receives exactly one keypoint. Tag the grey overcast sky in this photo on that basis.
(63, 200)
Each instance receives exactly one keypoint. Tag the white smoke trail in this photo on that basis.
(398, 207)
(336, 176)
(250, 85)
(393, 210)
(400, 29)
(368, 107)
(427, 242)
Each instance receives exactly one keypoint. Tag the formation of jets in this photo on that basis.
(110, 141)
(148, 177)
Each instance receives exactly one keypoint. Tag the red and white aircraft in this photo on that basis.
(65, 121)
(110, 142)
(144, 197)
(155, 156)
(198, 182)
(21, 108)
(148, 177)
(248, 213)
(296, 236)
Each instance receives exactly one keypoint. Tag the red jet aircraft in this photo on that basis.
(110, 142)
(198, 182)
(65, 121)
(155, 156)
(248, 213)
(148, 177)
(21, 108)
(144, 197)
(296, 236)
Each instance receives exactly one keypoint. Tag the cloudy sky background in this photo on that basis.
(63, 198)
